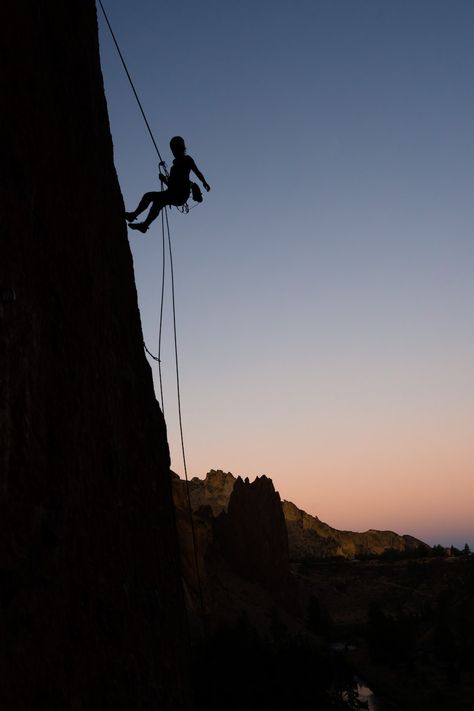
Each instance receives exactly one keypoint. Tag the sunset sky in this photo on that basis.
(325, 291)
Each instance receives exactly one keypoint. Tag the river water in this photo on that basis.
(365, 696)
(370, 699)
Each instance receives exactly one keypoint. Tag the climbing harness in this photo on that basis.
(194, 190)
(166, 228)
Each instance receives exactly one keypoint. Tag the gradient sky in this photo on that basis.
(325, 290)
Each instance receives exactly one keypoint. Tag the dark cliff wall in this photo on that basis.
(252, 534)
(90, 600)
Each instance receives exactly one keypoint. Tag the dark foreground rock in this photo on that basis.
(237, 561)
(252, 533)
(91, 606)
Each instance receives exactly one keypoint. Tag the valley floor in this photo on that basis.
(408, 625)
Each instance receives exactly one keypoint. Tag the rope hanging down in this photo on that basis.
(193, 532)
(162, 301)
(158, 358)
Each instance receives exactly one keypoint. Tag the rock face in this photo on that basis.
(196, 538)
(241, 554)
(91, 605)
(311, 538)
(214, 491)
(308, 537)
(252, 533)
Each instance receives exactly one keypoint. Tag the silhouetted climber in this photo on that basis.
(178, 183)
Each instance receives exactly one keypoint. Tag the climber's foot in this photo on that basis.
(140, 226)
(130, 216)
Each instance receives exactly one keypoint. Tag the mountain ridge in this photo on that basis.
(308, 536)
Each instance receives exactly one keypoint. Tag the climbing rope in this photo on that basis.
(164, 221)
(184, 209)
(162, 301)
(178, 390)
(157, 358)
(131, 82)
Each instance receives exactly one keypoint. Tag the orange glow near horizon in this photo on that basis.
(416, 481)
(324, 303)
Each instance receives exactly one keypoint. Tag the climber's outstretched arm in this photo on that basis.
(201, 177)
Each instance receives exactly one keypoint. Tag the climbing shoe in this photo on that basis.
(196, 192)
(130, 216)
(140, 226)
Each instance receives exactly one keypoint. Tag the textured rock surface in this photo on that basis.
(311, 538)
(308, 537)
(213, 491)
(194, 544)
(252, 533)
(91, 604)
(242, 554)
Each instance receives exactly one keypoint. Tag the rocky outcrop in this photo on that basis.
(308, 537)
(196, 541)
(311, 538)
(91, 604)
(239, 559)
(213, 491)
(252, 533)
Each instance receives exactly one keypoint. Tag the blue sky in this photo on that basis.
(324, 287)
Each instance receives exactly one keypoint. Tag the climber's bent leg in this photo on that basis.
(142, 205)
(158, 203)
(159, 200)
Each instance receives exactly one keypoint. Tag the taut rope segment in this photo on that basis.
(131, 82)
(164, 220)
